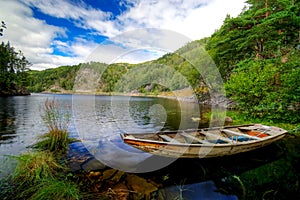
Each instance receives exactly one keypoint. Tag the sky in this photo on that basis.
(54, 33)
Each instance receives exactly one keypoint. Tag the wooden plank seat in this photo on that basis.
(219, 137)
(190, 136)
(168, 139)
(240, 134)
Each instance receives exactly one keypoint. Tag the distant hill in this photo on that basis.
(168, 73)
(52, 80)
(254, 56)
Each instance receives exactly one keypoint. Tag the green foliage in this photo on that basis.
(267, 89)
(13, 66)
(62, 77)
(2, 27)
(150, 77)
(268, 29)
(276, 180)
(255, 53)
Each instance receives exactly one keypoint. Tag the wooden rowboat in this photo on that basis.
(208, 142)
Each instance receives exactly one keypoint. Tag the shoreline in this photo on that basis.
(184, 95)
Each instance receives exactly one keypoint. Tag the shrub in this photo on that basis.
(267, 89)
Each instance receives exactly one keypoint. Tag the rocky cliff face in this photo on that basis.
(14, 90)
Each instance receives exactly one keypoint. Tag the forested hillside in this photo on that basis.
(257, 54)
(122, 77)
(52, 79)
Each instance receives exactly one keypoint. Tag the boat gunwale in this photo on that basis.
(165, 143)
(187, 150)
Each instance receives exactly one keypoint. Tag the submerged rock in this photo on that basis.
(140, 187)
(81, 159)
(109, 174)
(92, 164)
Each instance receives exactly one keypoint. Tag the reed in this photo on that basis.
(57, 119)
(38, 174)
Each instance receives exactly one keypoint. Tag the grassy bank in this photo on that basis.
(239, 118)
(40, 173)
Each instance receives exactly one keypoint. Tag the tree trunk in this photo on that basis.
(267, 5)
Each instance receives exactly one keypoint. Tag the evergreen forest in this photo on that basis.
(13, 67)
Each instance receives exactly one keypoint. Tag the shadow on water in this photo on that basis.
(7, 120)
(271, 172)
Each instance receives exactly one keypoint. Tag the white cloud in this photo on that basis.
(195, 19)
(140, 55)
(68, 10)
(37, 39)
(46, 61)
(22, 28)
(190, 19)
(136, 45)
(80, 14)
(82, 48)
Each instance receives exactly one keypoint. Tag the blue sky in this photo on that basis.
(53, 33)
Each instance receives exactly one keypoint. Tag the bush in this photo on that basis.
(268, 89)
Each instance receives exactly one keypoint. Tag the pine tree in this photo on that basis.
(13, 66)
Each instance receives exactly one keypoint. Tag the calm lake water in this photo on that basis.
(98, 121)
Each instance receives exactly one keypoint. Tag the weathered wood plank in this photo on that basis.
(218, 137)
(168, 139)
(184, 134)
(240, 134)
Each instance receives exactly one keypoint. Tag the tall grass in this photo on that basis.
(57, 120)
(33, 167)
(55, 189)
(39, 176)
